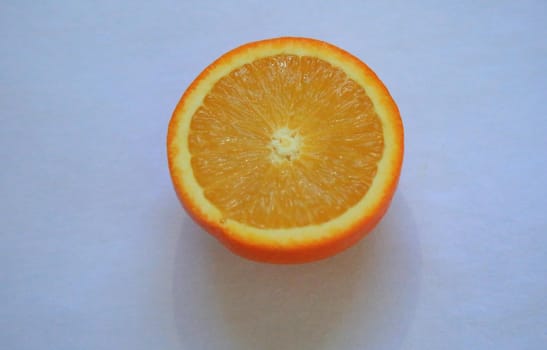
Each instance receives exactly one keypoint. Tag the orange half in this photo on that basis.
(287, 150)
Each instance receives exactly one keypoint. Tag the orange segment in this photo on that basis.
(285, 141)
(287, 150)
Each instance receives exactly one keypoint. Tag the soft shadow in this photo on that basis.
(362, 298)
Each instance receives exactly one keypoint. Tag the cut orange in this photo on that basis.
(287, 150)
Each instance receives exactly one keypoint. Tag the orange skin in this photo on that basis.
(310, 251)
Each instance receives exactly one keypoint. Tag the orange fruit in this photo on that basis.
(287, 150)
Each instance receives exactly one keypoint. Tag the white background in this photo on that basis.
(96, 252)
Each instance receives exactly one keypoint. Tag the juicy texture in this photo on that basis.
(285, 141)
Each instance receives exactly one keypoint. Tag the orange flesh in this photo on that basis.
(285, 141)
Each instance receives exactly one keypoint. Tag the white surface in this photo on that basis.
(96, 253)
